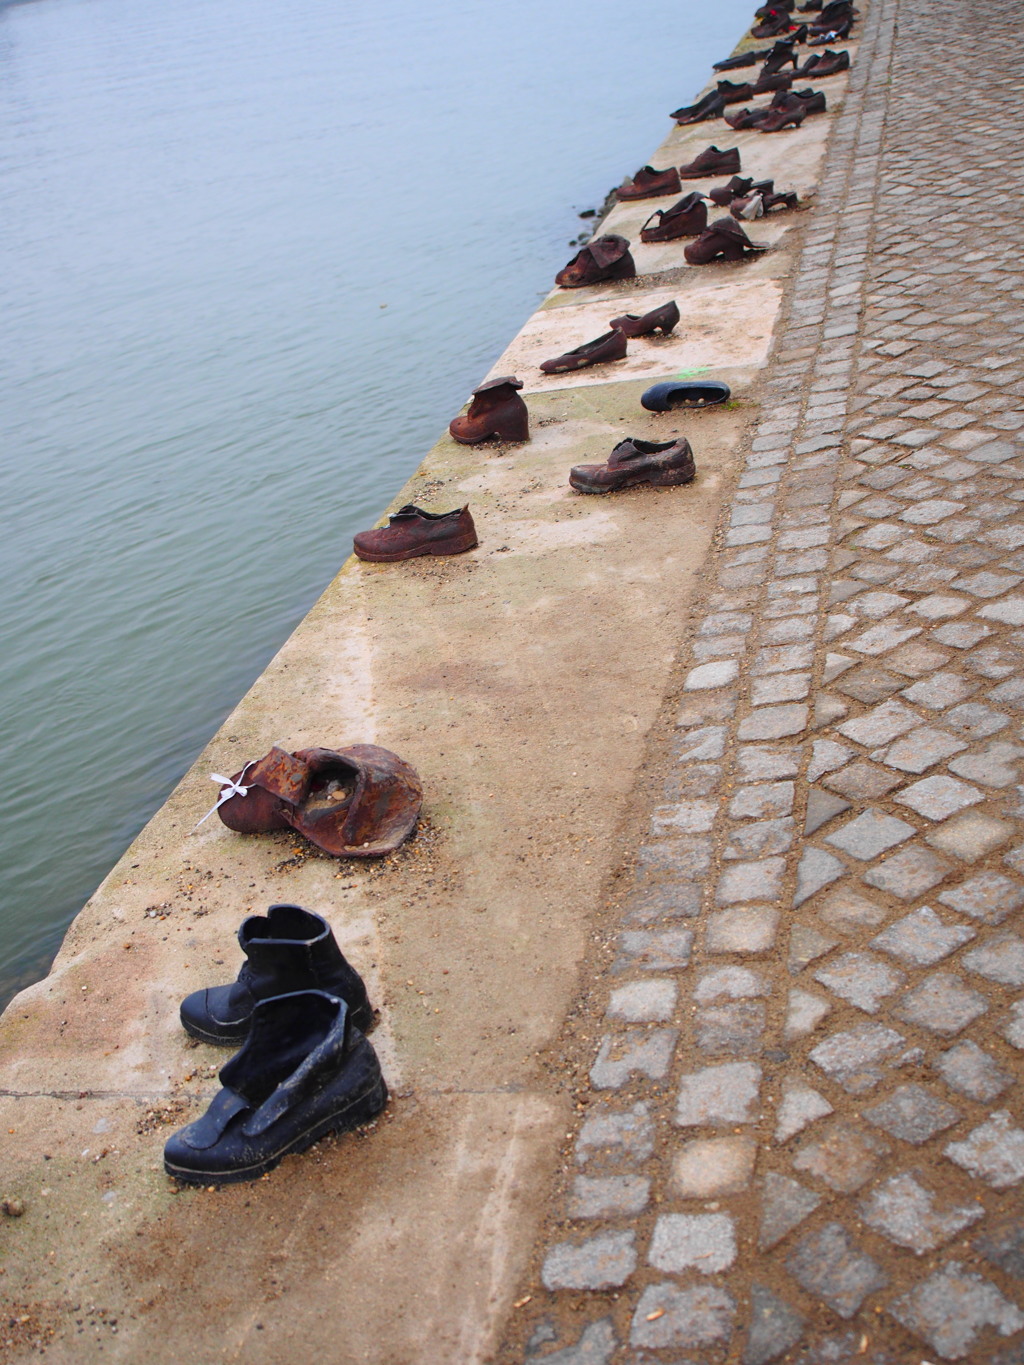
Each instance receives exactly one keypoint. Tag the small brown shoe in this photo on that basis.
(688, 218)
(707, 107)
(821, 64)
(411, 532)
(662, 320)
(662, 464)
(778, 80)
(605, 258)
(358, 802)
(747, 118)
(711, 162)
(496, 410)
(611, 346)
(775, 25)
(649, 184)
(723, 195)
(777, 119)
(724, 240)
(746, 208)
(732, 93)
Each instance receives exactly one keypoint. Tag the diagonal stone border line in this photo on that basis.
(803, 1138)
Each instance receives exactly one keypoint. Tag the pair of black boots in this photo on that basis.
(300, 1012)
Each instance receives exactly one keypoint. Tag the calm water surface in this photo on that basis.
(203, 207)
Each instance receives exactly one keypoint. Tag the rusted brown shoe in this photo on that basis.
(610, 346)
(688, 218)
(662, 464)
(649, 183)
(605, 258)
(782, 54)
(359, 802)
(411, 532)
(711, 162)
(707, 107)
(662, 320)
(496, 410)
(362, 802)
(821, 64)
(777, 119)
(732, 93)
(746, 208)
(775, 24)
(723, 195)
(724, 240)
(747, 118)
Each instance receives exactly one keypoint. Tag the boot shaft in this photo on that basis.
(292, 949)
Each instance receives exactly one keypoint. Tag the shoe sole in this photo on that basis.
(361, 1109)
(456, 547)
(365, 1023)
(655, 481)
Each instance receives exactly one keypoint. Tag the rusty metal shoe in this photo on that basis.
(723, 240)
(782, 54)
(747, 118)
(411, 532)
(610, 346)
(662, 320)
(708, 106)
(688, 218)
(778, 80)
(358, 802)
(821, 64)
(662, 464)
(779, 119)
(649, 184)
(732, 93)
(711, 162)
(775, 24)
(766, 200)
(837, 33)
(741, 59)
(496, 411)
(723, 195)
(605, 258)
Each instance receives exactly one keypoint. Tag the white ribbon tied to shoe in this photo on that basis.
(229, 788)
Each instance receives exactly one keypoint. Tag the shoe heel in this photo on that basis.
(515, 428)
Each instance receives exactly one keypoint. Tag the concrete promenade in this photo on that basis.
(800, 1134)
(700, 984)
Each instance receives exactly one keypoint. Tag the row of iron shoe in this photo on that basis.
(298, 1010)
(499, 411)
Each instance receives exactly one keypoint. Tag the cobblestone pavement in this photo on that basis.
(804, 1138)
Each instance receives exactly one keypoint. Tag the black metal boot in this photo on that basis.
(305, 1071)
(290, 949)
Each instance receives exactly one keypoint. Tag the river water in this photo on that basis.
(256, 255)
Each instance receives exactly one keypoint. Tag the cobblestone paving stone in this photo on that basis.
(805, 1137)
